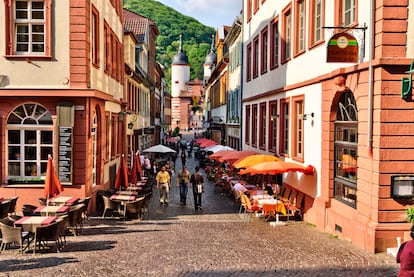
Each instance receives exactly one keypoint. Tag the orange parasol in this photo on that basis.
(216, 156)
(276, 167)
(122, 174)
(52, 183)
(254, 160)
(233, 156)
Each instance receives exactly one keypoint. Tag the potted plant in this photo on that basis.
(410, 215)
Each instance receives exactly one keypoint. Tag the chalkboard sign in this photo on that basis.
(65, 154)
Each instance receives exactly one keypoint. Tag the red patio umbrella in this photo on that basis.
(122, 174)
(136, 170)
(207, 143)
(52, 183)
(231, 157)
(216, 156)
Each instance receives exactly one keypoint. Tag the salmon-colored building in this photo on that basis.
(61, 94)
(322, 85)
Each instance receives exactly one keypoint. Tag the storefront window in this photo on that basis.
(346, 153)
(29, 142)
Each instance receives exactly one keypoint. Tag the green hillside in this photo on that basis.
(196, 36)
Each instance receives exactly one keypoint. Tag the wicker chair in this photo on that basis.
(11, 234)
(4, 208)
(85, 201)
(133, 209)
(12, 207)
(42, 201)
(110, 205)
(75, 219)
(45, 234)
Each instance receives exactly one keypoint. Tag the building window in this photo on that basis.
(256, 57)
(249, 62)
(95, 36)
(28, 32)
(284, 126)
(254, 125)
(298, 136)
(274, 44)
(300, 26)
(346, 14)
(273, 126)
(264, 51)
(346, 150)
(287, 34)
(247, 126)
(94, 148)
(316, 21)
(262, 126)
(29, 141)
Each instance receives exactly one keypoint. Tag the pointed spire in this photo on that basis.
(212, 43)
(180, 48)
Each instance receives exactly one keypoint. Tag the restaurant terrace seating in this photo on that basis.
(134, 208)
(110, 205)
(85, 201)
(295, 208)
(45, 234)
(248, 207)
(12, 207)
(13, 235)
(75, 219)
(28, 209)
(4, 208)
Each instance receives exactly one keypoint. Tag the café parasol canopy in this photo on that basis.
(233, 156)
(277, 167)
(216, 156)
(53, 187)
(121, 179)
(216, 148)
(159, 149)
(254, 160)
(136, 169)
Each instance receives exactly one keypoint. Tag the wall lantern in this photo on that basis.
(402, 186)
(130, 125)
(407, 83)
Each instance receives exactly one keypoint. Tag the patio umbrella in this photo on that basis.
(216, 156)
(276, 167)
(216, 148)
(233, 156)
(121, 179)
(254, 160)
(159, 149)
(53, 186)
(136, 169)
(208, 143)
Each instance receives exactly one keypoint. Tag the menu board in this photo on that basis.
(65, 154)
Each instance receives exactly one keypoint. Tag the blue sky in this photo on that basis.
(213, 13)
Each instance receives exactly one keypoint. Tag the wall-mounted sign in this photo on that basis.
(342, 47)
(65, 154)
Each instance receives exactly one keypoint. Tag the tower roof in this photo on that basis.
(180, 57)
(211, 57)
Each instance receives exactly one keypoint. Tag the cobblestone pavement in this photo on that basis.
(175, 240)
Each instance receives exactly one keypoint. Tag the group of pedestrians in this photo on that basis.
(184, 181)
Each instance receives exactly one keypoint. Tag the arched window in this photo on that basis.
(346, 150)
(29, 142)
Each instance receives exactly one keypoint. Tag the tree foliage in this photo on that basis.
(170, 23)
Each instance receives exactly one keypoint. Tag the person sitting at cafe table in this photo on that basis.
(239, 187)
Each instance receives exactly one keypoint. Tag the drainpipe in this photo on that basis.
(370, 75)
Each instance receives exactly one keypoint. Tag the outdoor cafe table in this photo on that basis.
(277, 205)
(63, 200)
(30, 223)
(126, 192)
(123, 198)
(51, 210)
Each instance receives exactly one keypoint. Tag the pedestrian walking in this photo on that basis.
(183, 157)
(183, 178)
(163, 185)
(197, 184)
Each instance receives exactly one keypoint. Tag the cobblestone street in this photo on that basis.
(173, 240)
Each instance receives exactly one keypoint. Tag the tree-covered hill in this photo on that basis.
(196, 36)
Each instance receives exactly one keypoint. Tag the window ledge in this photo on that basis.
(27, 58)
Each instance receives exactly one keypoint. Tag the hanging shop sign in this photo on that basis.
(342, 47)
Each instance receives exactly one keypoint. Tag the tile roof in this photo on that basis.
(136, 24)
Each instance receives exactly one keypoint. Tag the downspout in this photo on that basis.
(241, 79)
(370, 76)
